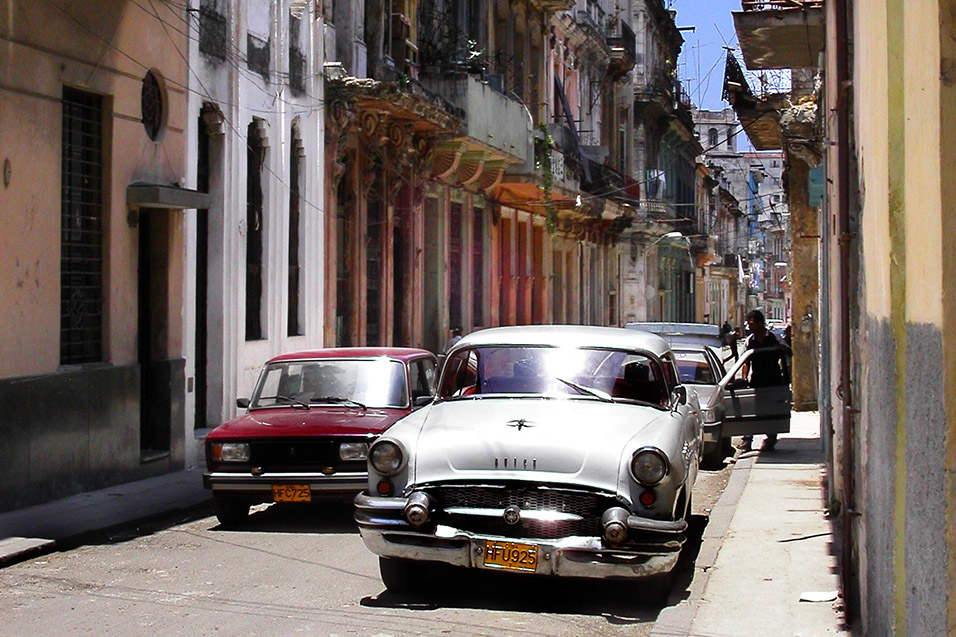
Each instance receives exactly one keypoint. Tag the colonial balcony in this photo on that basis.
(780, 34)
(623, 50)
(496, 133)
(759, 117)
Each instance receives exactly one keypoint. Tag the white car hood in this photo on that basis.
(576, 442)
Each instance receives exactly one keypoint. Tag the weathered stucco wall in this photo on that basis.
(905, 446)
(75, 427)
(52, 51)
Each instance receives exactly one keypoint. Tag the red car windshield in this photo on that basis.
(553, 372)
(378, 382)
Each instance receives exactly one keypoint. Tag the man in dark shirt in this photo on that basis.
(766, 367)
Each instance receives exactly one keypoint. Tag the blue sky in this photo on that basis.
(702, 57)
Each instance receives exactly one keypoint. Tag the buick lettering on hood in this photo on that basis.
(554, 450)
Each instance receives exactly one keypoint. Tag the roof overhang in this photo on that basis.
(165, 197)
(784, 38)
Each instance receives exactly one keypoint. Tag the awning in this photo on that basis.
(165, 197)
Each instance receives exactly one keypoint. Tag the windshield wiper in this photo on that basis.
(592, 391)
(339, 400)
(298, 404)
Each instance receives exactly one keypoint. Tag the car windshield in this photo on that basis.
(378, 382)
(694, 368)
(592, 374)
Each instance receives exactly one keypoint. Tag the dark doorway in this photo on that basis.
(201, 344)
(152, 301)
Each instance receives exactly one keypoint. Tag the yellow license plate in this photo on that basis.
(291, 493)
(511, 556)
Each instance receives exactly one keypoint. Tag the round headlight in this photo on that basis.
(386, 457)
(648, 466)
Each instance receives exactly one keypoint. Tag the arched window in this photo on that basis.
(295, 310)
(712, 139)
(255, 156)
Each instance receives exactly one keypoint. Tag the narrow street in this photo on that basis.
(305, 570)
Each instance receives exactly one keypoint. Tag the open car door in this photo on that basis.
(752, 410)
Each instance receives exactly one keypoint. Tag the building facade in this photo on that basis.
(94, 147)
(255, 140)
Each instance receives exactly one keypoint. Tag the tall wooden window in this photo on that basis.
(374, 262)
(255, 156)
(81, 231)
(478, 268)
(343, 263)
(454, 265)
(295, 247)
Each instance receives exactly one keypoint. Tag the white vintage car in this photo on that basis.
(554, 450)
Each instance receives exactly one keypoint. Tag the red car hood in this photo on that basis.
(317, 421)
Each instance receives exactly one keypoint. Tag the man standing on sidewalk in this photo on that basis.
(767, 366)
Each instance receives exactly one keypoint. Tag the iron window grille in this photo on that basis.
(81, 231)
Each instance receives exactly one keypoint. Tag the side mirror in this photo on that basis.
(679, 395)
(242, 403)
(421, 401)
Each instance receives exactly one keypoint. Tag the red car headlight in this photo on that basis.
(230, 452)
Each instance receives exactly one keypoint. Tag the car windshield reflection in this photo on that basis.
(365, 383)
(553, 372)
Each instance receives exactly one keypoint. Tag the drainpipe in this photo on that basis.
(845, 236)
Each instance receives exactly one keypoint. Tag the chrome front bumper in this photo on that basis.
(260, 486)
(385, 532)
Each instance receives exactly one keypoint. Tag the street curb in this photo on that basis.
(14, 550)
(18, 549)
(679, 619)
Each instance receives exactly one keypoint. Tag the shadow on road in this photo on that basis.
(620, 602)
(317, 517)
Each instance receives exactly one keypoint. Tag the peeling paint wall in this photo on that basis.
(904, 130)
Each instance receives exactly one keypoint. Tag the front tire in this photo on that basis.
(230, 513)
(401, 576)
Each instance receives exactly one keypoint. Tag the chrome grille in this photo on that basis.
(588, 505)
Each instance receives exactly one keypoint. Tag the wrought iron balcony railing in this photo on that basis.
(770, 5)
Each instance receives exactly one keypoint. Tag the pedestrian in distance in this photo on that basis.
(455, 337)
(729, 336)
(767, 366)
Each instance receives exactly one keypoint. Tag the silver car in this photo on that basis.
(555, 450)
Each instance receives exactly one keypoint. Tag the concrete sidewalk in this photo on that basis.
(768, 550)
(25, 533)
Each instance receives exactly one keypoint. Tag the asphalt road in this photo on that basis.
(305, 570)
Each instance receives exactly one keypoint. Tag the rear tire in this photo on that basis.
(230, 513)
(401, 576)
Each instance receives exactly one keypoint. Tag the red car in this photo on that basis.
(308, 425)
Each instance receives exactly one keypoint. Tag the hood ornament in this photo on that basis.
(519, 424)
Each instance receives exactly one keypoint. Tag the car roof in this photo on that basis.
(400, 353)
(568, 336)
(702, 333)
